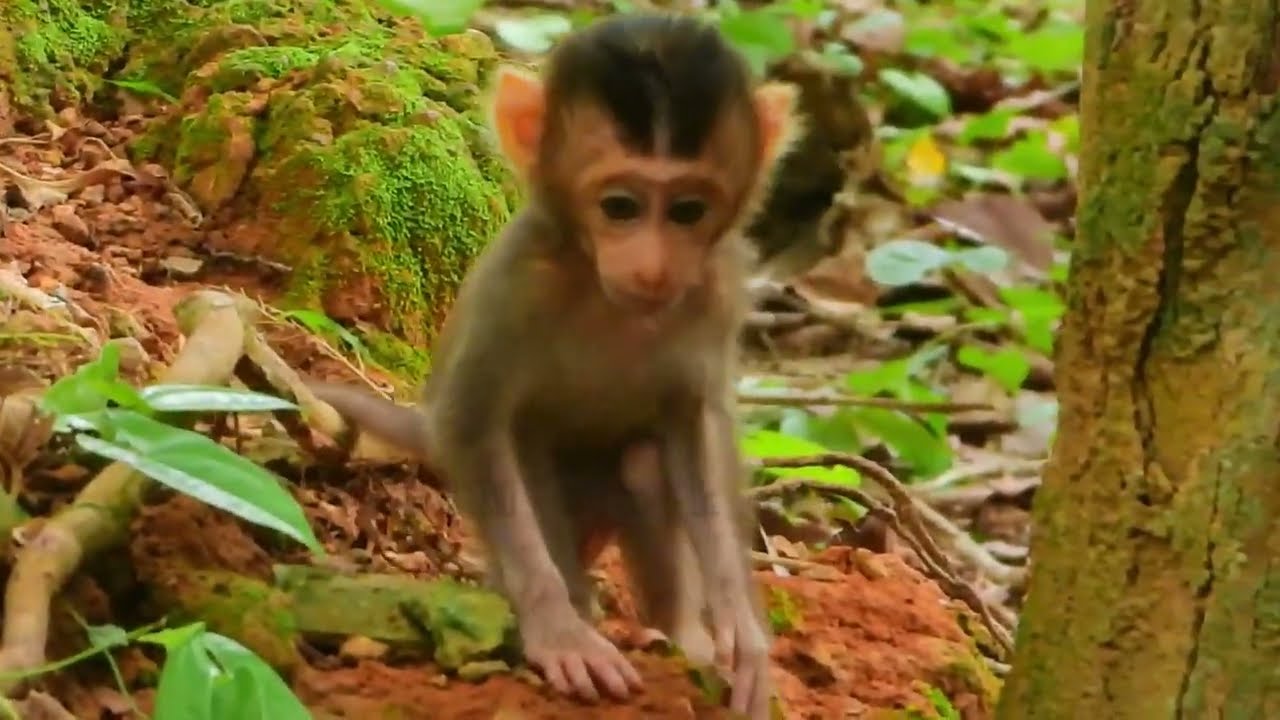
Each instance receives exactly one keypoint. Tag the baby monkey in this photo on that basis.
(582, 382)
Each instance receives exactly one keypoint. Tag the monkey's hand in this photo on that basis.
(742, 652)
(574, 657)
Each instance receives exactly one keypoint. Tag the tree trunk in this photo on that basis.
(1156, 581)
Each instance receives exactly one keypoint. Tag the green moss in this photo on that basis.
(242, 608)
(241, 69)
(202, 137)
(55, 52)
(407, 361)
(419, 209)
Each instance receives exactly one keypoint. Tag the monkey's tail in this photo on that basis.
(403, 427)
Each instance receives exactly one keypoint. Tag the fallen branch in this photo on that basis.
(761, 559)
(904, 517)
(100, 516)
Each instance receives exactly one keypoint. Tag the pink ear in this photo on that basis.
(775, 106)
(519, 107)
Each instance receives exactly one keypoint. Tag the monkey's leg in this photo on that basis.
(658, 555)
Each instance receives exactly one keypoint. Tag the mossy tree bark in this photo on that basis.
(1156, 590)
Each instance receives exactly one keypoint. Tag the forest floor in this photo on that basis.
(121, 253)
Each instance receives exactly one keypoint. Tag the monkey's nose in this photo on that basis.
(651, 285)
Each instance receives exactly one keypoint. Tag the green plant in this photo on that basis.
(206, 675)
(114, 420)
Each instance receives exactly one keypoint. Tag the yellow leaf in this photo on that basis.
(926, 163)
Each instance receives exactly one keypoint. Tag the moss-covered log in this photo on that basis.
(323, 134)
(1156, 591)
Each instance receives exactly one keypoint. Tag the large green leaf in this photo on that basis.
(193, 464)
(209, 398)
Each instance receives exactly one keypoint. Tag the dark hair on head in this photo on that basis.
(651, 71)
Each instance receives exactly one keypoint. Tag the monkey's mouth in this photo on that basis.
(649, 306)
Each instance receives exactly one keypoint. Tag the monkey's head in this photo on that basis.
(648, 140)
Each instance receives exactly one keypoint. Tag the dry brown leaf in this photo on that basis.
(1006, 221)
(37, 193)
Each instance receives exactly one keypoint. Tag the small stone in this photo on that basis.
(72, 227)
(184, 267)
(94, 194)
(359, 647)
(93, 128)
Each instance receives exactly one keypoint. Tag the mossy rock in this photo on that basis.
(353, 141)
(55, 53)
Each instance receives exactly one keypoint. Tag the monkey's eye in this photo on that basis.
(620, 206)
(687, 211)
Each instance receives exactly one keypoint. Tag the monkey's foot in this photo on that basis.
(576, 659)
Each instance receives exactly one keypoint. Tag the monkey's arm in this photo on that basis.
(471, 418)
(705, 468)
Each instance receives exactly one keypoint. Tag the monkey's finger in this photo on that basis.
(629, 672)
(726, 647)
(575, 668)
(611, 669)
(743, 698)
(553, 673)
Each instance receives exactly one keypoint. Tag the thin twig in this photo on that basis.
(905, 517)
(831, 399)
(765, 560)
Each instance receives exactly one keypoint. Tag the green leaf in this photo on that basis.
(534, 33)
(758, 35)
(904, 261)
(107, 636)
(207, 675)
(995, 316)
(928, 454)
(187, 683)
(982, 259)
(993, 125)
(892, 377)
(142, 87)
(833, 432)
(193, 464)
(441, 17)
(1030, 158)
(934, 41)
(800, 9)
(982, 176)
(171, 638)
(1037, 312)
(83, 390)
(841, 60)
(875, 21)
(1007, 366)
(1053, 48)
(920, 89)
(209, 398)
(321, 324)
(1038, 413)
(254, 690)
(767, 443)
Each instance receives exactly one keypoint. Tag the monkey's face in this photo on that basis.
(649, 225)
